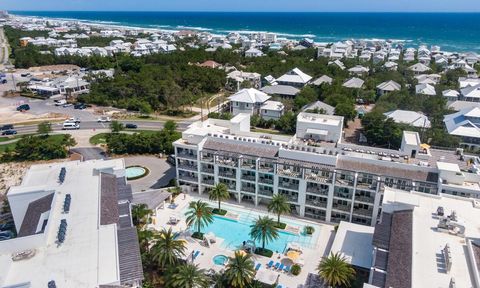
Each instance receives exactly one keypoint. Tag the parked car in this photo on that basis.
(25, 74)
(79, 106)
(72, 120)
(70, 126)
(131, 126)
(9, 132)
(24, 107)
(6, 127)
(5, 235)
(67, 105)
(171, 159)
(60, 102)
(103, 119)
(3, 81)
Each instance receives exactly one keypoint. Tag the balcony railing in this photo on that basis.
(342, 195)
(370, 186)
(248, 177)
(247, 165)
(365, 199)
(289, 173)
(342, 207)
(288, 185)
(231, 186)
(188, 167)
(316, 203)
(227, 174)
(248, 189)
(318, 191)
(318, 178)
(227, 162)
(208, 181)
(207, 159)
(265, 181)
(363, 212)
(344, 182)
(290, 198)
(208, 170)
(265, 192)
(187, 155)
(265, 168)
(188, 178)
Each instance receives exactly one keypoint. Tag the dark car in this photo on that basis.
(171, 159)
(79, 106)
(9, 132)
(3, 81)
(131, 126)
(24, 107)
(6, 127)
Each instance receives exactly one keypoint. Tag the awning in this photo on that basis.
(425, 146)
(317, 132)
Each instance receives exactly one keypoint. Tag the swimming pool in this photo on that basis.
(220, 260)
(235, 232)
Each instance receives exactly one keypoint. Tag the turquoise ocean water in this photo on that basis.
(451, 31)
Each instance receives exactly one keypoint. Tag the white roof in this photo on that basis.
(425, 89)
(448, 166)
(322, 79)
(359, 69)
(471, 91)
(89, 255)
(459, 105)
(390, 64)
(419, 67)
(465, 82)
(295, 76)
(460, 123)
(411, 138)
(322, 119)
(353, 83)
(450, 93)
(389, 86)
(273, 105)
(250, 95)
(428, 242)
(354, 242)
(412, 118)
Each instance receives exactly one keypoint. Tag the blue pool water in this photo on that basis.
(131, 172)
(220, 260)
(235, 232)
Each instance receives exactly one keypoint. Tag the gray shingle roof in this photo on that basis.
(32, 216)
(152, 199)
(285, 90)
(108, 199)
(130, 262)
(251, 149)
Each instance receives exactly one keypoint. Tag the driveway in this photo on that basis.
(160, 174)
(90, 153)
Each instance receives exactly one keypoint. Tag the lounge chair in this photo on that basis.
(173, 221)
(195, 255)
(276, 265)
(281, 267)
(287, 269)
(279, 286)
(257, 267)
(270, 264)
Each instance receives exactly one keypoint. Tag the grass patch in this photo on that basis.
(100, 138)
(280, 225)
(268, 131)
(197, 235)
(51, 138)
(13, 137)
(221, 212)
(264, 252)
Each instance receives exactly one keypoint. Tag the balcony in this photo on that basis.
(342, 207)
(362, 212)
(227, 162)
(248, 165)
(317, 190)
(344, 182)
(188, 167)
(187, 155)
(188, 178)
(231, 186)
(365, 185)
(248, 177)
(227, 174)
(289, 173)
(288, 185)
(265, 168)
(208, 170)
(208, 181)
(290, 198)
(343, 195)
(318, 177)
(316, 203)
(364, 199)
(248, 189)
(265, 192)
(267, 181)
(208, 159)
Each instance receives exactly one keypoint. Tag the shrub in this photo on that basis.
(280, 225)
(296, 269)
(309, 230)
(221, 212)
(264, 252)
(197, 235)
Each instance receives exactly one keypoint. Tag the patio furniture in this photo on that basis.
(195, 255)
(277, 265)
(257, 267)
(287, 269)
(270, 264)
(281, 267)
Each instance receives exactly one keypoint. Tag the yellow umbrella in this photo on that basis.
(425, 146)
(293, 255)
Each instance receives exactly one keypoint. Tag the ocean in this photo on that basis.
(451, 31)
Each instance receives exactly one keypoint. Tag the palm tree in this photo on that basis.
(219, 193)
(188, 276)
(145, 237)
(167, 250)
(279, 205)
(199, 215)
(335, 270)
(240, 270)
(264, 230)
(141, 215)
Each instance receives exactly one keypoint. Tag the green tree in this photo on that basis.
(199, 215)
(219, 193)
(187, 276)
(346, 110)
(167, 250)
(240, 270)
(68, 141)
(306, 96)
(335, 270)
(141, 215)
(44, 128)
(116, 126)
(279, 205)
(264, 230)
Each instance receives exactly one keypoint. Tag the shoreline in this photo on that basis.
(218, 31)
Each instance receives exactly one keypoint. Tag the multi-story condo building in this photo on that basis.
(323, 178)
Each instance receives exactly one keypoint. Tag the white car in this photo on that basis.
(103, 119)
(60, 102)
(72, 120)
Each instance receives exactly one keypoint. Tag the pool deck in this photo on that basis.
(310, 256)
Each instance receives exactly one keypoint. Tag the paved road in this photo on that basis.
(90, 153)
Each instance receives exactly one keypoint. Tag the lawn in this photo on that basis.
(11, 146)
(268, 131)
(101, 137)
(13, 137)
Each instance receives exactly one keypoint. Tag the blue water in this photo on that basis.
(220, 260)
(131, 172)
(235, 232)
(452, 31)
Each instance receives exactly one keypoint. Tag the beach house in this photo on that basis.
(466, 125)
(425, 89)
(412, 118)
(295, 78)
(470, 93)
(354, 83)
(388, 86)
(247, 101)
